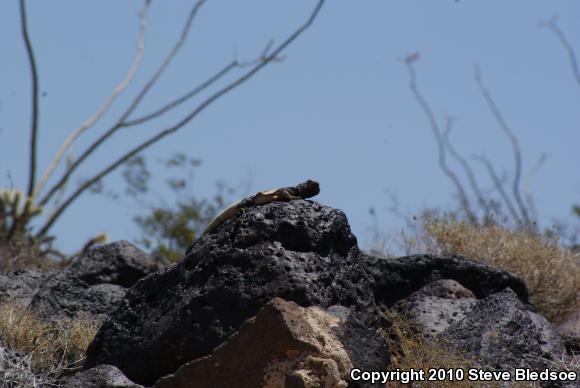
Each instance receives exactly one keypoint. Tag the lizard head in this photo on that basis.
(308, 189)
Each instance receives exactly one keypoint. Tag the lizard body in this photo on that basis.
(304, 190)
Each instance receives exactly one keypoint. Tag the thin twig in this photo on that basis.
(35, 99)
(553, 26)
(134, 104)
(409, 60)
(527, 182)
(106, 105)
(175, 103)
(466, 168)
(172, 53)
(201, 107)
(210, 81)
(515, 145)
(499, 187)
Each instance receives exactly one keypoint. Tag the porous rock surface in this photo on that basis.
(64, 295)
(437, 305)
(300, 251)
(102, 376)
(505, 333)
(397, 278)
(119, 263)
(287, 346)
(95, 284)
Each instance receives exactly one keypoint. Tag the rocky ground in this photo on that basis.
(281, 296)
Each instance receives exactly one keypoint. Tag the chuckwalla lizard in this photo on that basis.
(303, 190)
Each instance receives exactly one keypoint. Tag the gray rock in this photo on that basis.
(444, 289)
(118, 263)
(397, 278)
(64, 294)
(94, 284)
(102, 376)
(20, 286)
(504, 333)
(365, 347)
(300, 251)
(437, 306)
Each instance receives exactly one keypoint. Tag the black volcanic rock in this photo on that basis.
(119, 263)
(397, 278)
(64, 294)
(504, 333)
(95, 283)
(300, 251)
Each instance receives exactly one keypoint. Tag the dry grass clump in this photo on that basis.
(15, 371)
(412, 351)
(551, 272)
(52, 347)
(565, 363)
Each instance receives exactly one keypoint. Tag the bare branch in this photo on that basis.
(466, 168)
(409, 60)
(106, 105)
(175, 103)
(528, 186)
(499, 187)
(172, 53)
(553, 26)
(134, 104)
(262, 57)
(201, 107)
(35, 100)
(515, 145)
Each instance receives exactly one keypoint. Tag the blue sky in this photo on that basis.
(338, 109)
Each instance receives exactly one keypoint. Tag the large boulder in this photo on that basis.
(287, 346)
(300, 251)
(95, 283)
(397, 278)
(65, 295)
(119, 263)
(503, 333)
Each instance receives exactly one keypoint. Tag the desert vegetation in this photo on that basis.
(50, 349)
(497, 226)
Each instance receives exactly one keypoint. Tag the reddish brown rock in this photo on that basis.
(284, 345)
